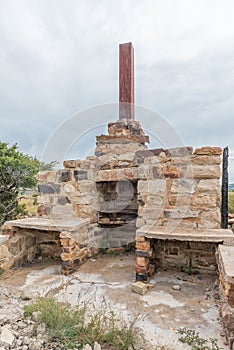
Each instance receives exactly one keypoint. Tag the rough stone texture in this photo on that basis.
(208, 151)
(186, 188)
(40, 237)
(194, 235)
(195, 257)
(139, 288)
(226, 285)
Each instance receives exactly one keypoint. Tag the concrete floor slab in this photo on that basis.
(158, 314)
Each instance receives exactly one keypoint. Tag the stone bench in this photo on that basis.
(187, 249)
(49, 224)
(225, 259)
(69, 239)
(224, 236)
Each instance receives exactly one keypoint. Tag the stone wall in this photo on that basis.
(180, 188)
(70, 192)
(79, 245)
(26, 245)
(6, 259)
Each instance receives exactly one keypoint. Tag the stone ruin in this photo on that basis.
(165, 202)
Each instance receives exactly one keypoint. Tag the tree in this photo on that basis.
(17, 172)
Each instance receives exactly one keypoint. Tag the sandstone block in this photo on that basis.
(69, 163)
(151, 213)
(205, 200)
(69, 188)
(144, 172)
(46, 176)
(85, 187)
(179, 199)
(3, 251)
(180, 212)
(208, 185)
(206, 159)
(139, 287)
(179, 151)
(208, 151)
(152, 186)
(204, 172)
(182, 186)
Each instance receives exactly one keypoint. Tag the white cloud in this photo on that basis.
(57, 57)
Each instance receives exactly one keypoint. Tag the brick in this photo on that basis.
(65, 242)
(144, 253)
(140, 269)
(141, 261)
(143, 245)
(142, 277)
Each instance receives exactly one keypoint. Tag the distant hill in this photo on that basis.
(231, 187)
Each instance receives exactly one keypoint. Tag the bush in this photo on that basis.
(193, 339)
(231, 202)
(75, 327)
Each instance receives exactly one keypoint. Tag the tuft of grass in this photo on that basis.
(75, 327)
(1, 272)
(193, 339)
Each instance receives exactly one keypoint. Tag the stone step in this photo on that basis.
(224, 236)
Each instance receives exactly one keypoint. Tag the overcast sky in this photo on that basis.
(58, 57)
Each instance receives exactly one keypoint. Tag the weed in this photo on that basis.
(75, 327)
(1, 272)
(193, 339)
(103, 250)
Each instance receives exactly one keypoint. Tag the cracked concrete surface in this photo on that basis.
(158, 314)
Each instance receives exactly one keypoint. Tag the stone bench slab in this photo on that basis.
(224, 236)
(45, 224)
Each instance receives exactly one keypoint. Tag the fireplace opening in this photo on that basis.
(117, 212)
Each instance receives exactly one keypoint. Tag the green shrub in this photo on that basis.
(75, 327)
(193, 339)
(231, 202)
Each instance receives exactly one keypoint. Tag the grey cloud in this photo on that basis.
(59, 57)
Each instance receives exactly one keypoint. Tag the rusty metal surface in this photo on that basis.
(126, 81)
